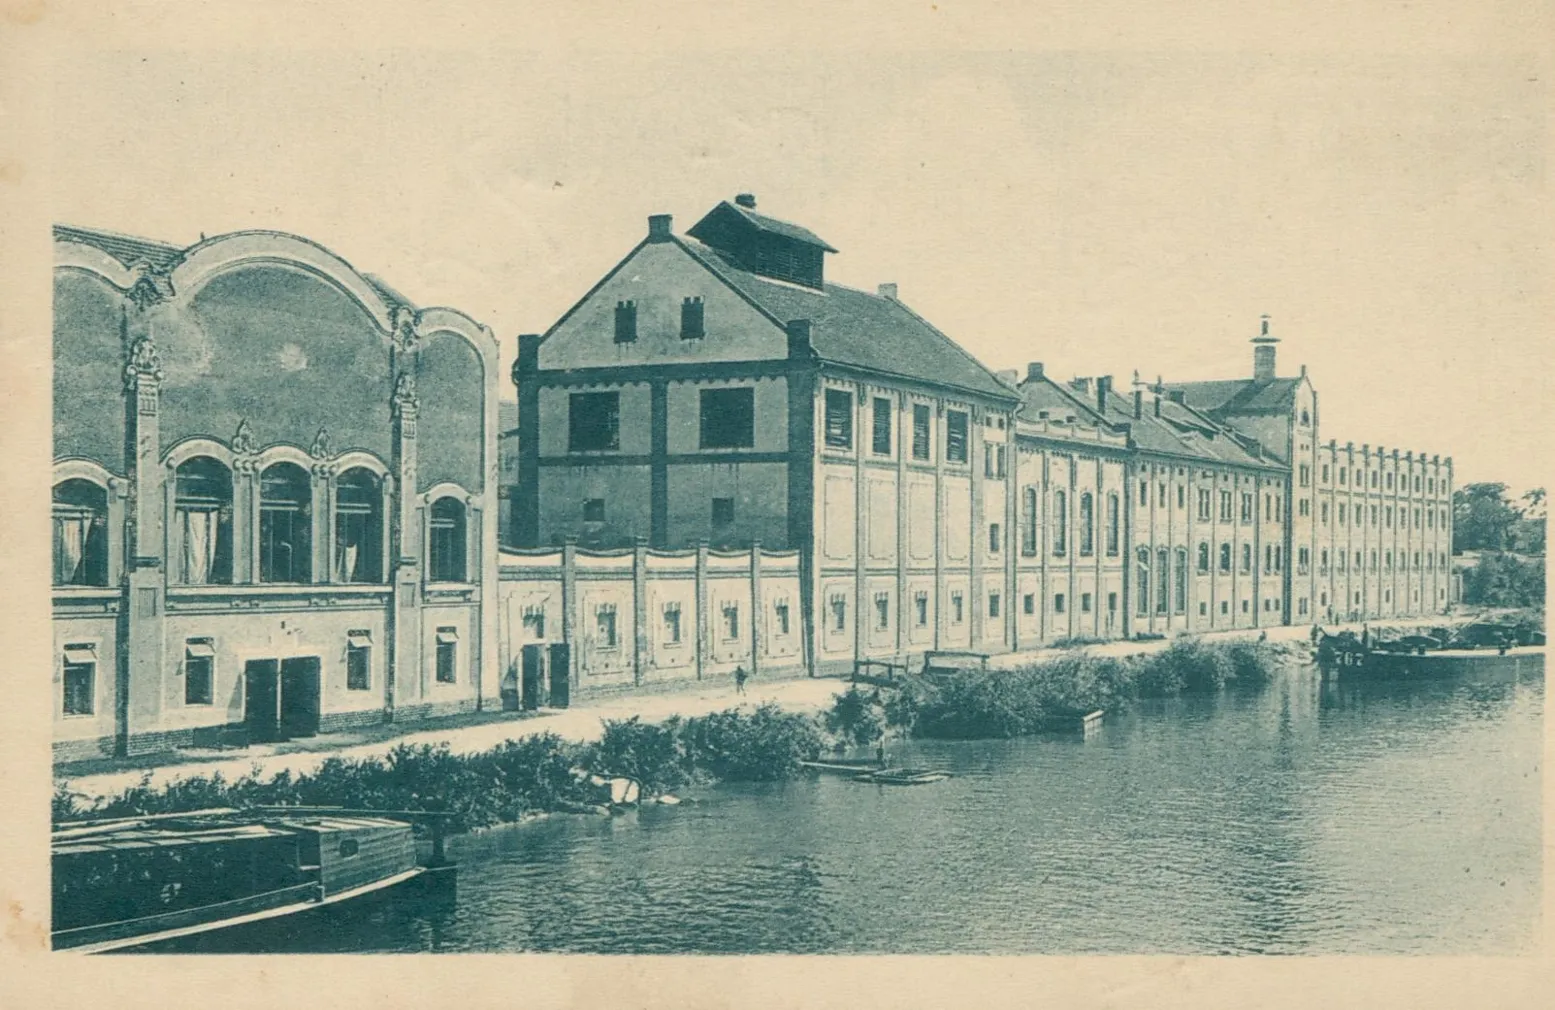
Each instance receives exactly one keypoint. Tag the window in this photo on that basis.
(1304, 473)
(285, 524)
(920, 431)
(731, 623)
(1225, 558)
(1325, 473)
(1144, 494)
(358, 527)
(1390, 481)
(626, 322)
(955, 436)
(1087, 525)
(1301, 606)
(1387, 561)
(1374, 515)
(1341, 515)
(1028, 521)
(1085, 603)
(80, 679)
(1058, 603)
(1225, 607)
(448, 553)
(882, 611)
(839, 612)
(1060, 523)
(882, 427)
(1112, 525)
(1373, 478)
(1430, 519)
(839, 419)
(1203, 503)
(1417, 484)
(1360, 518)
(1182, 496)
(1417, 561)
(594, 422)
(1180, 582)
(957, 606)
(993, 605)
(920, 609)
(1417, 518)
(1162, 579)
(1143, 588)
(358, 661)
(1323, 513)
(1028, 604)
(1344, 475)
(1247, 558)
(1225, 506)
(672, 624)
(199, 671)
(80, 534)
(1303, 560)
(1161, 494)
(723, 512)
(448, 655)
(1344, 561)
(593, 510)
(1203, 558)
(202, 522)
(1268, 507)
(605, 626)
(1304, 507)
(728, 418)
(1268, 559)
(692, 318)
(1112, 606)
(1247, 507)
(993, 538)
(780, 613)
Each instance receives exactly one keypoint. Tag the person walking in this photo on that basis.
(740, 676)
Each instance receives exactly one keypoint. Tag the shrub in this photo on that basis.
(856, 718)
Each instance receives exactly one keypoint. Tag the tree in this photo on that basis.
(1483, 517)
(1504, 580)
(1528, 534)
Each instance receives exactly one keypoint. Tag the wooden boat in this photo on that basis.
(1479, 647)
(140, 883)
(903, 776)
(842, 766)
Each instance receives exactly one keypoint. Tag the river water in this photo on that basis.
(1307, 817)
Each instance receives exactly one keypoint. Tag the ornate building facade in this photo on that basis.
(275, 495)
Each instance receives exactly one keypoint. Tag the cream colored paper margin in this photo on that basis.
(35, 35)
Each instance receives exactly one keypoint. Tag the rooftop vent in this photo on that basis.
(746, 200)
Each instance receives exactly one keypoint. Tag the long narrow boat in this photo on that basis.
(141, 883)
(903, 776)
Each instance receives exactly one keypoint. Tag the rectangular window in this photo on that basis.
(605, 625)
(1323, 513)
(1387, 517)
(1247, 558)
(1341, 515)
(955, 436)
(1112, 605)
(1374, 515)
(728, 418)
(839, 612)
(882, 427)
(447, 655)
(1203, 501)
(285, 525)
(957, 608)
(1325, 473)
(993, 605)
(1112, 525)
(1225, 506)
(1344, 475)
(1028, 522)
(626, 322)
(594, 422)
(1144, 494)
(199, 671)
(994, 540)
(882, 611)
(731, 624)
(780, 613)
(921, 427)
(1028, 604)
(920, 609)
(1305, 475)
(723, 512)
(1225, 558)
(80, 679)
(1058, 603)
(593, 510)
(1060, 523)
(1161, 494)
(1181, 496)
(839, 419)
(691, 319)
(1085, 603)
(1087, 525)
(672, 624)
(359, 665)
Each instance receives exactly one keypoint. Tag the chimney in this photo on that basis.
(1103, 387)
(1157, 404)
(1177, 396)
(746, 200)
(888, 291)
(659, 227)
(1034, 371)
(1139, 403)
(799, 338)
(1008, 375)
(1263, 352)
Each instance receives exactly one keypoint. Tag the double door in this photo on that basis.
(546, 675)
(281, 697)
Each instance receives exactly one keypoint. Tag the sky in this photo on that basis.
(1099, 211)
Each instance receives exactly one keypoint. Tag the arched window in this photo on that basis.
(358, 527)
(1162, 579)
(285, 524)
(1225, 558)
(1112, 525)
(1028, 522)
(80, 533)
(1087, 525)
(1060, 523)
(1180, 582)
(1203, 557)
(202, 523)
(1142, 591)
(447, 563)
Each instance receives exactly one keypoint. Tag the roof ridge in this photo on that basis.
(126, 236)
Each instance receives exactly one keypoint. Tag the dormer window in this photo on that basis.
(626, 322)
(691, 319)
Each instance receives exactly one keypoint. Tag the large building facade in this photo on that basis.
(714, 388)
(275, 495)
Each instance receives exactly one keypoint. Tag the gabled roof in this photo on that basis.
(852, 327)
(127, 249)
(1239, 396)
(762, 222)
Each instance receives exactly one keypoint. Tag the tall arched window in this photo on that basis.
(1142, 591)
(1162, 579)
(1225, 557)
(1180, 582)
(285, 524)
(202, 522)
(1028, 522)
(1087, 525)
(1060, 523)
(358, 527)
(80, 533)
(1112, 525)
(1204, 557)
(447, 561)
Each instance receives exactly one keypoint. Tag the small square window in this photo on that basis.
(605, 625)
(723, 512)
(447, 655)
(920, 603)
(993, 604)
(1058, 603)
(594, 510)
(1085, 603)
(1028, 603)
(672, 624)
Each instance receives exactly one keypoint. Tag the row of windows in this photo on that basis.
(1385, 481)
(1031, 519)
(1384, 513)
(201, 541)
(838, 430)
(606, 636)
(692, 320)
(1432, 561)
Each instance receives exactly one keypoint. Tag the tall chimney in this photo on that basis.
(1157, 404)
(1034, 371)
(1263, 352)
(1139, 403)
(888, 291)
(799, 345)
(1103, 387)
(659, 227)
(746, 200)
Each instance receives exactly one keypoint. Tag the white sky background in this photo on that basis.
(1097, 212)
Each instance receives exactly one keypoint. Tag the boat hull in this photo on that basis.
(1435, 664)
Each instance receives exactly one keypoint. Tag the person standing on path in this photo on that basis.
(740, 677)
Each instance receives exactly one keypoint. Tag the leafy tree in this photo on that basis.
(1504, 580)
(1483, 517)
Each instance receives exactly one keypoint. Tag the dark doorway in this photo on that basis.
(300, 696)
(561, 667)
(533, 682)
(261, 699)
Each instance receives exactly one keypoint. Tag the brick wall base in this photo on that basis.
(332, 722)
(587, 691)
(83, 750)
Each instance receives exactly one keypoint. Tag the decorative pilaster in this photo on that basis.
(406, 659)
(138, 691)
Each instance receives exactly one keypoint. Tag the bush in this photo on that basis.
(856, 719)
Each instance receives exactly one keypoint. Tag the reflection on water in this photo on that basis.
(1306, 818)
